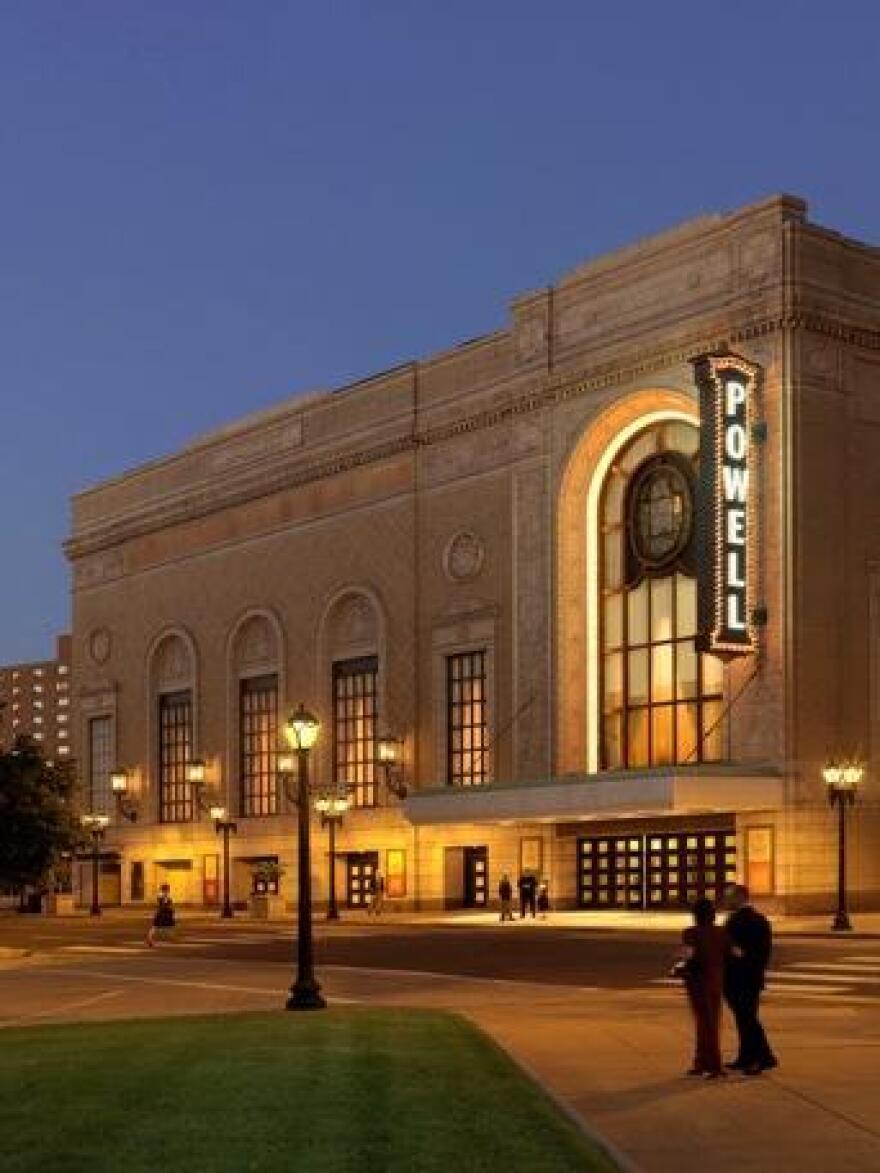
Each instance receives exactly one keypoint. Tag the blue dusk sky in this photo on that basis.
(210, 206)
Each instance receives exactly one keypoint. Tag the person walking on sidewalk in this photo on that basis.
(163, 917)
(750, 941)
(505, 895)
(377, 893)
(704, 947)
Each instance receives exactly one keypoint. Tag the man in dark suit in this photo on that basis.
(749, 944)
(527, 891)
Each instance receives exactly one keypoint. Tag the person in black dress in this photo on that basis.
(750, 942)
(163, 917)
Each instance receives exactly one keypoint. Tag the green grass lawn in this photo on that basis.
(352, 1090)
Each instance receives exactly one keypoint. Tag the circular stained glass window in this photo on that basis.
(661, 512)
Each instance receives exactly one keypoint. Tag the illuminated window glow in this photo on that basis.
(661, 701)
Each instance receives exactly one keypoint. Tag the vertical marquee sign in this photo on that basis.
(727, 523)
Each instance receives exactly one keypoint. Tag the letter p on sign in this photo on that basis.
(735, 396)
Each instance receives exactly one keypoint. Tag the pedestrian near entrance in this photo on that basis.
(704, 947)
(163, 917)
(527, 890)
(750, 942)
(543, 900)
(377, 893)
(505, 895)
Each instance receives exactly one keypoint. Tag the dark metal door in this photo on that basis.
(476, 877)
(611, 872)
(684, 866)
(362, 866)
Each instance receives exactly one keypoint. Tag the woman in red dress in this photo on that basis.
(704, 950)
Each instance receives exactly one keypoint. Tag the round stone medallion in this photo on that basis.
(99, 645)
(463, 556)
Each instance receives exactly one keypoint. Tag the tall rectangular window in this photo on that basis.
(175, 750)
(100, 764)
(258, 724)
(467, 732)
(354, 727)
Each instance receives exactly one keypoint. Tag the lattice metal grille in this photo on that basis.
(175, 750)
(258, 724)
(467, 733)
(354, 727)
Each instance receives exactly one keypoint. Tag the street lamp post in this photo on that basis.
(331, 807)
(96, 826)
(842, 781)
(301, 730)
(224, 826)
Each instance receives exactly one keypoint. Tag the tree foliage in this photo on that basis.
(37, 820)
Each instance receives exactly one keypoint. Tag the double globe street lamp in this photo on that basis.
(842, 780)
(332, 807)
(95, 826)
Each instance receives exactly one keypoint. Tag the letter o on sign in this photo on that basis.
(735, 442)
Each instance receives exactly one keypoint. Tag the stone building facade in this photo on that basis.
(490, 554)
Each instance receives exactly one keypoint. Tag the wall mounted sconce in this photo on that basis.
(390, 760)
(196, 772)
(119, 782)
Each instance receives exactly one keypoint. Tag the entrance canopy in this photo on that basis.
(622, 794)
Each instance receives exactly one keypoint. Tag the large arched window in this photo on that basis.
(661, 700)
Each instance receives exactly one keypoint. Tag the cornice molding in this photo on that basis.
(551, 390)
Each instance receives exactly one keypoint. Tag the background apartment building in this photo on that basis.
(35, 699)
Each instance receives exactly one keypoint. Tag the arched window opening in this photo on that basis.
(661, 700)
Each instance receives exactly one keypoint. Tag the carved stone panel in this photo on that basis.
(352, 626)
(255, 645)
(99, 568)
(173, 664)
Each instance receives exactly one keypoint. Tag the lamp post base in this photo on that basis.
(841, 923)
(226, 914)
(305, 995)
(94, 912)
(332, 914)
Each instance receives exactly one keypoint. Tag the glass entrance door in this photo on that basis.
(476, 877)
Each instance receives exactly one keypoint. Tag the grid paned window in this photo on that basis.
(354, 728)
(100, 764)
(467, 732)
(258, 723)
(175, 750)
(662, 701)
